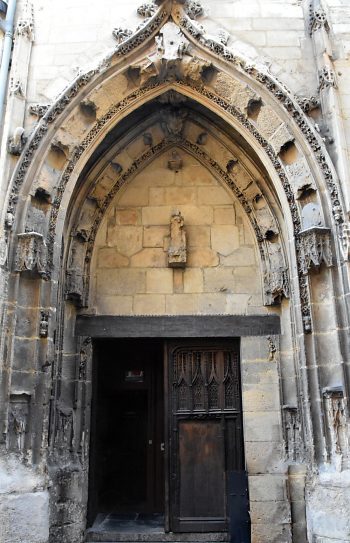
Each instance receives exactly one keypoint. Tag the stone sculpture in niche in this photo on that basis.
(172, 122)
(64, 429)
(337, 427)
(177, 252)
(17, 421)
(44, 323)
(293, 434)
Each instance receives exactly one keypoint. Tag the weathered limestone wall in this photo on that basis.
(132, 273)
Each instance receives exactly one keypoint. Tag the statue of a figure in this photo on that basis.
(177, 249)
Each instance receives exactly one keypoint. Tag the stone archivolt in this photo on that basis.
(193, 71)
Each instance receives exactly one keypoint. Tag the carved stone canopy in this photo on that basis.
(315, 248)
(31, 253)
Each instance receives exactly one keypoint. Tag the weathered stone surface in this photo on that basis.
(159, 281)
(108, 257)
(149, 304)
(153, 236)
(198, 258)
(121, 281)
(193, 280)
(126, 239)
(149, 257)
(218, 280)
(224, 239)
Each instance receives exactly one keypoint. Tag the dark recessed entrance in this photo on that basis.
(127, 464)
(167, 432)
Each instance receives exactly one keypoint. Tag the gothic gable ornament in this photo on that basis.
(315, 248)
(31, 253)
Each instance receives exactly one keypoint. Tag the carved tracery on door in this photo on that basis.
(206, 433)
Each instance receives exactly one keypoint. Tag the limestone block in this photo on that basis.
(212, 304)
(136, 148)
(259, 372)
(264, 456)
(225, 215)
(153, 236)
(121, 281)
(127, 239)
(104, 184)
(134, 196)
(213, 196)
(193, 280)
(271, 533)
(107, 94)
(259, 425)
(232, 90)
(181, 195)
(280, 137)
(267, 487)
(218, 280)
(25, 517)
(108, 257)
(237, 304)
(157, 196)
(246, 279)
(196, 175)
(197, 215)
(261, 397)
(24, 351)
(268, 121)
(255, 349)
(181, 304)
(149, 258)
(271, 511)
(224, 239)
(149, 304)
(156, 215)
(114, 305)
(201, 258)
(198, 236)
(244, 256)
(159, 281)
(128, 216)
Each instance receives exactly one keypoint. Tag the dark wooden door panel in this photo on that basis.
(206, 432)
(202, 469)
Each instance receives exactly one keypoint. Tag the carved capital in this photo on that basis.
(327, 78)
(314, 248)
(31, 253)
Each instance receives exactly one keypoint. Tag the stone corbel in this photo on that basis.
(16, 143)
(276, 286)
(31, 255)
(314, 248)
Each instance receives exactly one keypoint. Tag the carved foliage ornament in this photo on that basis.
(147, 9)
(31, 253)
(318, 20)
(315, 248)
(326, 78)
(344, 238)
(193, 9)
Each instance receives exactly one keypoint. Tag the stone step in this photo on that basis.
(94, 536)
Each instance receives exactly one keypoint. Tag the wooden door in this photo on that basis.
(205, 432)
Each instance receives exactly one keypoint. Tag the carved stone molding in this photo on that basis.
(121, 34)
(327, 78)
(147, 9)
(314, 248)
(337, 427)
(307, 104)
(31, 254)
(344, 239)
(318, 20)
(25, 25)
(292, 425)
(38, 109)
(194, 9)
